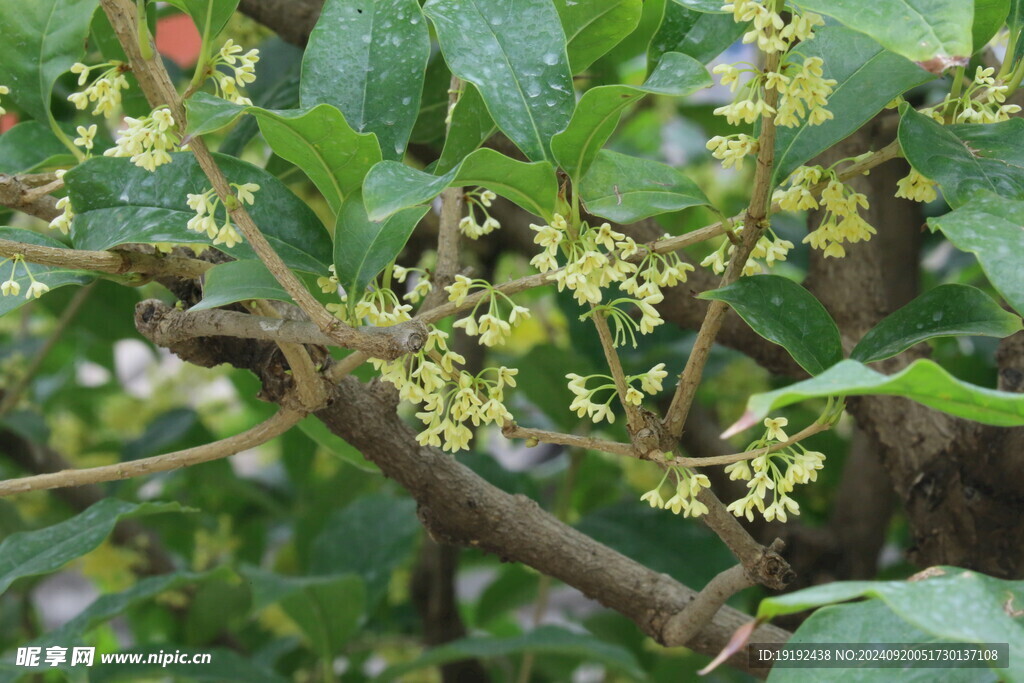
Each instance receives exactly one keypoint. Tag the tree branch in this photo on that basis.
(16, 192)
(114, 262)
(278, 424)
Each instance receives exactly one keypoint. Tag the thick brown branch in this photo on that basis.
(114, 262)
(16, 193)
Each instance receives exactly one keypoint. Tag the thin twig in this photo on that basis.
(754, 222)
(13, 395)
(815, 428)
(633, 418)
(345, 366)
(278, 424)
(682, 627)
(511, 430)
(114, 262)
(309, 386)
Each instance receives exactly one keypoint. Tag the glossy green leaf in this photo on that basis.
(989, 227)
(638, 42)
(30, 553)
(625, 188)
(384, 529)
(919, 30)
(978, 601)
(543, 640)
(923, 381)
(328, 609)
(471, 126)
(868, 77)
(362, 247)
(208, 13)
(947, 310)
(27, 145)
(116, 202)
(235, 281)
(785, 313)
(41, 40)
(966, 158)
(390, 42)
(514, 52)
(594, 27)
(51, 276)
(707, 6)
(697, 33)
(599, 110)
(317, 140)
(391, 186)
(989, 17)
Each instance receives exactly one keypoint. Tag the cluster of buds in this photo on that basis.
(105, 91)
(469, 226)
(769, 248)
(731, 149)
(148, 141)
(490, 327)
(768, 29)
(242, 70)
(205, 205)
(684, 500)
(587, 402)
(778, 472)
(12, 287)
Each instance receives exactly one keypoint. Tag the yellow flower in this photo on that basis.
(774, 427)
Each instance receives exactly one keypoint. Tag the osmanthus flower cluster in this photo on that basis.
(769, 248)
(778, 472)
(147, 141)
(803, 91)
(684, 500)
(105, 91)
(587, 402)
(240, 70)
(422, 287)
(842, 222)
(205, 205)
(983, 101)
(491, 328)
(12, 287)
(916, 187)
(469, 226)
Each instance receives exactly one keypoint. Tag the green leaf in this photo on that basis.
(989, 226)
(362, 247)
(214, 13)
(1015, 20)
(785, 313)
(335, 445)
(978, 601)
(989, 17)
(390, 186)
(965, 158)
(27, 145)
(30, 553)
(514, 52)
(328, 609)
(317, 140)
(384, 529)
(599, 110)
(919, 30)
(625, 188)
(368, 58)
(868, 77)
(706, 6)
(869, 622)
(229, 283)
(543, 640)
(923, 381)
(947, 310)
(51, 276)
(594, 27)
(471, 126)
(697, 33)
(116, 202)
(41, 40)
